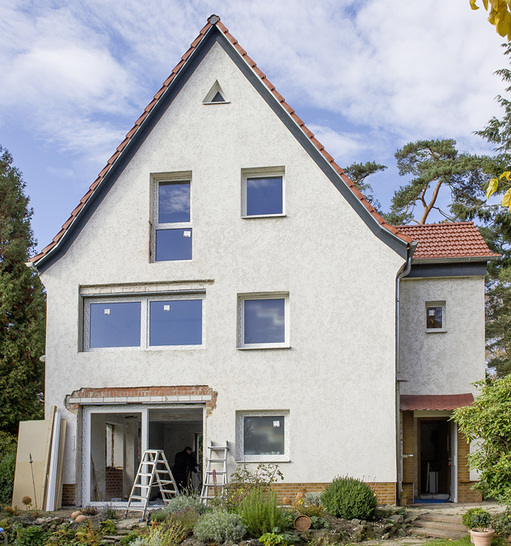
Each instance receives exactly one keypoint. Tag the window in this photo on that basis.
(142, 322)
(263, 321)
(262, 192)
(435, 317)
(172, 236)
(262, 436)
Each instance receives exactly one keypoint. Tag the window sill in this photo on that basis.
(246, 217)
(264, 459)
(262, 346)
(436, 331)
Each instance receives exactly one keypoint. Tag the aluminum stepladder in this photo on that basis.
(215, 477)
(153, 471)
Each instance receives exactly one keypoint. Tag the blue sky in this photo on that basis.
(366, 76)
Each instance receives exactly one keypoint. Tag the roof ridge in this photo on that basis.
(212, 21)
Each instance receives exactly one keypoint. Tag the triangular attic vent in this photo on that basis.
(215, 95)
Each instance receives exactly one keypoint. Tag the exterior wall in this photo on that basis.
(465, 491)
(336, 380)
(444, 362)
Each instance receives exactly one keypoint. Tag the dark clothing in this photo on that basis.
(184, 465)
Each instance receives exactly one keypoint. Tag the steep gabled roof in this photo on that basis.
(213, 31)
(461, 241)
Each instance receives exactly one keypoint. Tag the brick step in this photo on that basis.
(436, 532)
(455, 527)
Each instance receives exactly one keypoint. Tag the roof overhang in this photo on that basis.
(413, 402)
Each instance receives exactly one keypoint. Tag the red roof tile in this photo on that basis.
(212, 21)
(448, 240)
(410, 402)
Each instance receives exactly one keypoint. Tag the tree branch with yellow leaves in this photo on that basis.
(500, 15)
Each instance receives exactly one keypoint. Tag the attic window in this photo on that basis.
(215, 95)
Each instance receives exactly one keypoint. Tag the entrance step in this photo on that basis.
(439, 526)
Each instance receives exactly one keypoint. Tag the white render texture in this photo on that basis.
(442, 362)
(337, 379)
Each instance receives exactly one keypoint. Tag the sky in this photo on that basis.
(366, 76)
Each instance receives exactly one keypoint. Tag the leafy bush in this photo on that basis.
(349, 498)
(502, 523)
(7, 466)
(187, 518)
(313, 498)
(275, 539)
(31, 536)
(260, 513)
(476, 518)
(158, 516)
(219, 527)
(170, 532)
(177, 504)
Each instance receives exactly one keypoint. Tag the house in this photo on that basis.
(223, 280)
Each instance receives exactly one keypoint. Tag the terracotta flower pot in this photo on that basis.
(481, 537)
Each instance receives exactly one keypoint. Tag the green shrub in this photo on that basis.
(7, 466)
(168, 533)
(158, 516)
(502, 523)
(184, 501)
(476, 518)
(31, 536)
(260, 513)
(187, 518)
(219, 527)
(349, 498)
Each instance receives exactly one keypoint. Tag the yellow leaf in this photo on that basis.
(506, 200)
(505, 174)
(473, 4)
(492, 187)
(485, 4)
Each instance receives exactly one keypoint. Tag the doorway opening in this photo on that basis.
(435, 469)
(115, 438)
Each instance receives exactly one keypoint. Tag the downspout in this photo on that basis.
(404, 273)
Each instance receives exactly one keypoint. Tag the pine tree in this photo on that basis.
(22, 306)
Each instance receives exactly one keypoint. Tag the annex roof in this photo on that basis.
(460, 240)
(410, 402)
(213, 30)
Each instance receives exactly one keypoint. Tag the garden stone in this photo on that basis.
(401, 532)
(396, 518)
(355, 521)
(388, 526)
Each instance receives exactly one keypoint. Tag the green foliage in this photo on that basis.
(108, 527)
(488, 420)
(275, 539)
(31, 536)
(169, 532)
(434, 165)
(261, 514)
(63, 536)
(476, 518)
(22, 306)
(107, 512)
(181, 502)
(219, 526)
(502, 523)
(242, 482)
(7, 465)
(349, 498)
(358, 174)
(132, 537)
(89, 534)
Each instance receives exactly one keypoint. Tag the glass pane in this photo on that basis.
(434, 317)
(264, 435)
(264, 196)
(173, 244)
(173, 202)
(115, 324)
(264, 321)
(177, 322)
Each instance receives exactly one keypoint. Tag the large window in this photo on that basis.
(172, 234)
(263, 321)
(262, 436)
(142, 322)
(262, 192)
(435, 316)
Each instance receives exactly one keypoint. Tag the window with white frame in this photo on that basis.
(435, 316)
(263, 321)
(144, 322)
(172, 227)
(262, 192)
(262, 436)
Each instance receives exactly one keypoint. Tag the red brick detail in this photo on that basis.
(465, 491)
(135, 393)
(68, 494)
(113, 482)
(385, 491)
(408, 431)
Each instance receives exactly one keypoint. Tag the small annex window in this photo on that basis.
(262, 192)
(142, 322)
(215, 95)
(435, 316)
(262, 436)
(172, 227)
(263, 321)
